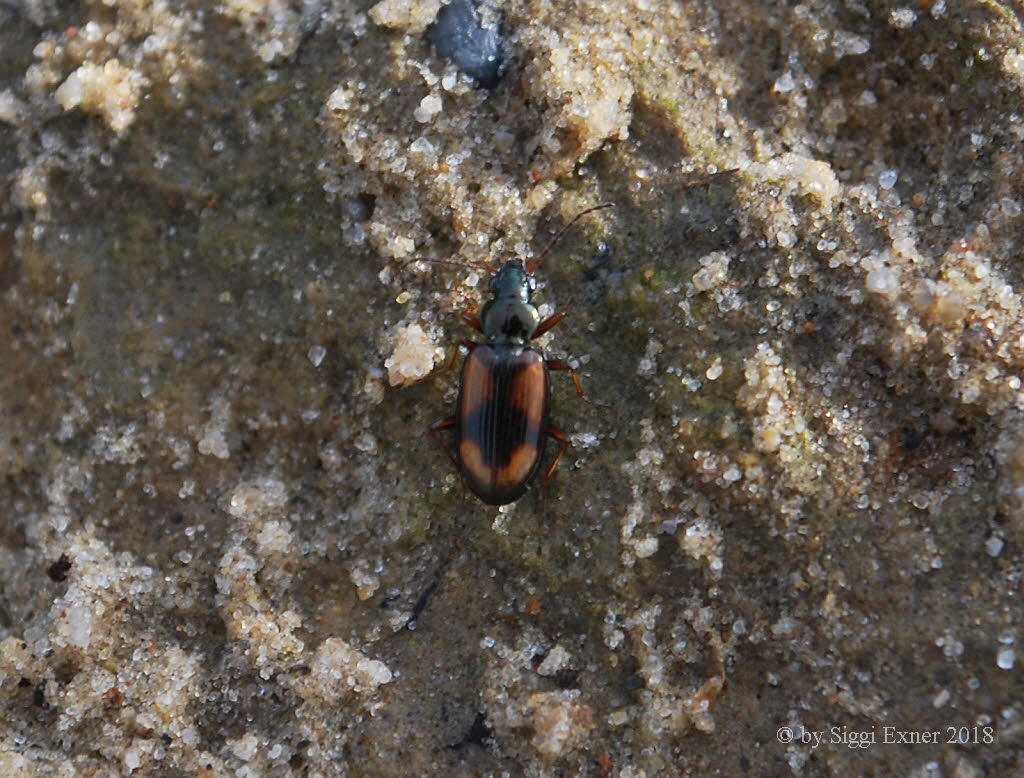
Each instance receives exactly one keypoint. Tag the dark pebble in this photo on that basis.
(473, 45)
(58, 571)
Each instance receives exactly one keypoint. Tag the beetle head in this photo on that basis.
(512, 282)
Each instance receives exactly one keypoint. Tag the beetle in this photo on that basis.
(501, 420)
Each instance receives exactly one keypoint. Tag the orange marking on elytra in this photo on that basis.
(520, 462)
(472, 459)
(529, 391)
(477, 382)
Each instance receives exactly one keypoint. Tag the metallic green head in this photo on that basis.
(510, 316)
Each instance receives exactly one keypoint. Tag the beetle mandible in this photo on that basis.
(501, 419)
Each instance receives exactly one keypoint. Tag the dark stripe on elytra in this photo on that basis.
(499, 429)
(497, 425)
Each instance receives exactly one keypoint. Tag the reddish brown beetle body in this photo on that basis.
(501, 421)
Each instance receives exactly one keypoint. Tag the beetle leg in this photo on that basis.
(557, 364)
(472, 318)
(558, 435)
(551, 321)
(692, 182)
(435, 428)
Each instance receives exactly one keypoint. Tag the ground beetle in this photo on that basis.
(501, 417)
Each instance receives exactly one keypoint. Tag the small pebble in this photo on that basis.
(994, 546)
(785, 83)
(1006, 658)
(884, 281)
(786, 239)
(902, 18)
(468, 32)
(316, 354)
(715, 370)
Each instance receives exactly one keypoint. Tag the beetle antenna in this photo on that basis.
(474, 265)
(534, 263)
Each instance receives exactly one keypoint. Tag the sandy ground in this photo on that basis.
(791, 546)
